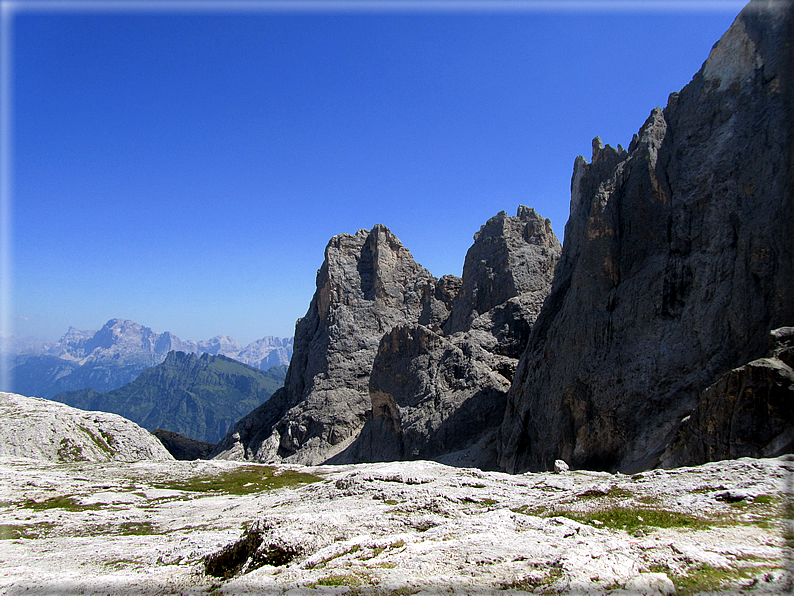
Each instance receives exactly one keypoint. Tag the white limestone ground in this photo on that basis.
(392, 528)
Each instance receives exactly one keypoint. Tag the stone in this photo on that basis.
(40, 429)
(748, 412)
(650, 584)
(440, 394)
(677, 263)
(368, 284)
(560, 466)
(383, 528)
(392, 363)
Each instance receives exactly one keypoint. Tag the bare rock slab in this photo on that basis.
(42, 429)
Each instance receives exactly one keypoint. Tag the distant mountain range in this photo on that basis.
(116, 354)
(197, 396)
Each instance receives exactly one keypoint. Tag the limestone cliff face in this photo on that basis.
(368, 284)
(677, 263)
(748, 412)
(440, 394)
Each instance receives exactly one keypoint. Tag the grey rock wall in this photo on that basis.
(392, 363)
(440, 394)
(677, 263)
(748, 412)
(368, 284)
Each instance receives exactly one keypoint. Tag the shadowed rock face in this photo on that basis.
(677, 264)
(437, 393)
(748, 412)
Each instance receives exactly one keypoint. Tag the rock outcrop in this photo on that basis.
(154, 528)
(41, 429)
(748, 412)
(368, 284)
(392, 363)
(440, 394)
(677, 263)
(182, 447)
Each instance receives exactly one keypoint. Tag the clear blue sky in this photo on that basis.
(186, 170)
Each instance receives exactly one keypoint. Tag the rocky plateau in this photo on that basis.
(395, 528)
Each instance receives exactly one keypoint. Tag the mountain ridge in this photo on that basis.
(196, 396)
(118, 352)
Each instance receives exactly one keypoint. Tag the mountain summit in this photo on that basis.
(197, 396)
(116, 354)
(678, 263)
(372, 352)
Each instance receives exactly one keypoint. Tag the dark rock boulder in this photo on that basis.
(182, 447)
(748, 412)
(676, 265)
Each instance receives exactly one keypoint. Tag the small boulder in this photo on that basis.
(657, 584)
(560, 467)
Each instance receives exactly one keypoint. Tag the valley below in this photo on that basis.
(419, 527)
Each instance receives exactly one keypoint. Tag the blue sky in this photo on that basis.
(186, 170)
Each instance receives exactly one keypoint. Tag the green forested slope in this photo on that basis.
(196, 396)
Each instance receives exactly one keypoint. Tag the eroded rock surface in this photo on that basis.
(368, 284)
(421, 364)
(748, 412)
(440, 394)
(41, 429)
(677, 264)
(238, 528)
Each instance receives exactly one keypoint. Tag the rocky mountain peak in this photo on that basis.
(377, 320)
(510, 256)
(676, 266)
(367, 284)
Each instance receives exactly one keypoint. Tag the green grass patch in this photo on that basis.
(241, 481)
(614, 493)
(30, 532)
(487, 502)
(70, 451)
(387, 565)
(61, 502)
(99, 441)
(772, 500)
(624, 517)
(135, 529)
(705, 578)
(633, 518)
(340, 579)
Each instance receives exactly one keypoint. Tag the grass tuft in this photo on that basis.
(241, 481)
(60, 502)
